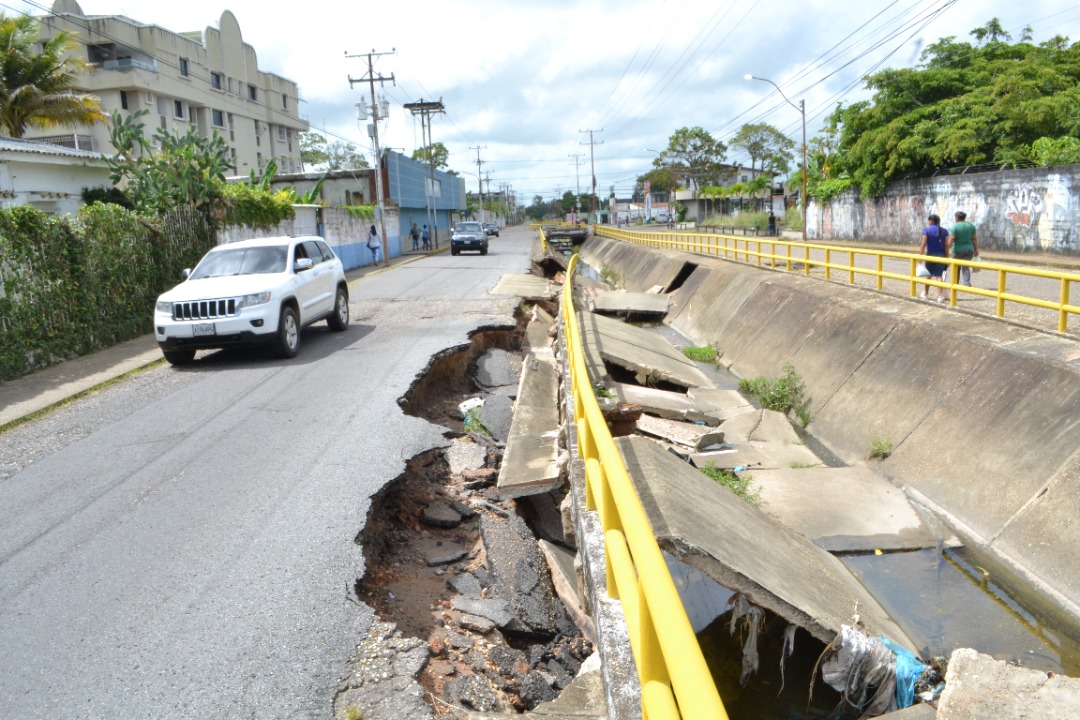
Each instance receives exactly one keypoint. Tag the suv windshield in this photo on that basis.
(242, 261)
(468, 227)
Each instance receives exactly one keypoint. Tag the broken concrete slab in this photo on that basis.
(498, 367)
(531, 461)
(662, 403)
(494, 609)
(648, 355)
(843, 510)
(754, 554)
(689, 435)
(524, 285)
(564, 578)
(540, 331)
(497, 415)
(630, 303)
(922, 711)
(977, 687)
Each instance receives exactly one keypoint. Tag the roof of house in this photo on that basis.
(39, 148)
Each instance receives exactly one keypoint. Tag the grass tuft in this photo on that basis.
(741, 486)
(880, 448)
(705, 354)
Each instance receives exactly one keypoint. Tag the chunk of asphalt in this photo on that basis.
(495, 610)
(497, 367)
(465, 584)
(463, 455)
(476, 623)
(519, 573)
(453, 554)
(440, 514)
(497, 415)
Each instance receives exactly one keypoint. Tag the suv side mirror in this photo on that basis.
(303, 264)
(185, 273)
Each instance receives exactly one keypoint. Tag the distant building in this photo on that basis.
(48, 177)
(209, 80)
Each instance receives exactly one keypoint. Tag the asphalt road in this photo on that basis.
(182, 544)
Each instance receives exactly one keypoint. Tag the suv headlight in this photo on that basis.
(164, 307)
(256, 299)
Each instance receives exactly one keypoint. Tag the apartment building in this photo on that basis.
(209, 80)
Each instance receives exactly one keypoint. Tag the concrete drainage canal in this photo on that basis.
(468, 619)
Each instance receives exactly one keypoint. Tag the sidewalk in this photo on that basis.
(29, 394)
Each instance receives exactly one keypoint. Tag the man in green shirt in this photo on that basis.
(965, 244)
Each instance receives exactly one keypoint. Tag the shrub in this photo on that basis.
(783, 394)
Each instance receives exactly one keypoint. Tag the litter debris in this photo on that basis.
(755, 618)
(471, 404)
(875, 675)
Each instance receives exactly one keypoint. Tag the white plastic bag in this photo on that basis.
(921, 270)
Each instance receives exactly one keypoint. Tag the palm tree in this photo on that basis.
(37, 87)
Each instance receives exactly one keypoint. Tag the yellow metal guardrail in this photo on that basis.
(788, 253)
(675, 680)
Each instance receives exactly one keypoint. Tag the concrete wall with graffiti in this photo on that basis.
(1033, 209)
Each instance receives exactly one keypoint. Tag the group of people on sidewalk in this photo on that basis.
(374, 241)
(961, 242)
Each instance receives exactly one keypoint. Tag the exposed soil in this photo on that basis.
(417, 560)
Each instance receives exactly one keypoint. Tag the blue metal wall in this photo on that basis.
(406, 180)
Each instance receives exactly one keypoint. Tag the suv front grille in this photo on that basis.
(205, 309)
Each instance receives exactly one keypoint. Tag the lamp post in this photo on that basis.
(801, 107)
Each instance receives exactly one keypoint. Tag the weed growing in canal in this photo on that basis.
(741, 486)
(473, 424)
(354, 713)
(880, 448)
(706, 354)
(783, 394)
(610, 276)
(798, 465)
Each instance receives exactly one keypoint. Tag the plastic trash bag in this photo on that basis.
(908, 670)
(863, 669)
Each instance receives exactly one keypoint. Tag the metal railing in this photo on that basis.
(675, 679)
(794, 255)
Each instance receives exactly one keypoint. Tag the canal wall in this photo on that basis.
(983, 415)
(1028, 209)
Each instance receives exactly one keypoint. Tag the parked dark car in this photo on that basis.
(491, 229)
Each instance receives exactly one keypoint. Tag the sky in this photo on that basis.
(524, 82)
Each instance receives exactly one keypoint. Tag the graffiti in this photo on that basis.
(1022, 206)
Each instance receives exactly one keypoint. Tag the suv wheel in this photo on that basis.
(179, 357)
(288, 335)
(339, 319)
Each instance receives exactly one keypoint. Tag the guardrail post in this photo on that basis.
(1063, 315)
(1001, 294)
(828, 264)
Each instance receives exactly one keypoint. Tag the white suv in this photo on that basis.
(253, 292)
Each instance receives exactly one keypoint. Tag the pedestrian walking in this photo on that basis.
(965, 244)
(426, 237)
(414, 233)
(935, 243)
(374, 244)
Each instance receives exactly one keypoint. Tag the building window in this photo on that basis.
(258, 161)
(219, 118)
(284, 101)
(231, 90)
(253, 92)
(184, 72)
(178, 109)
(281, 133)
(123, 100)
(215, 80)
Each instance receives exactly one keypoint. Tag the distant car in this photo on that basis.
(491, 229)
(468, 235)
(253, 292)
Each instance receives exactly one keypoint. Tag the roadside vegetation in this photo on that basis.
(880, 448)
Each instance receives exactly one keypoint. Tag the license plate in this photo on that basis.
(203, 329)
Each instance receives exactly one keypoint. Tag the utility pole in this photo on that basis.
(371, 79)
(480, 178)
(425, 110)
(577, 174)
(592, 159)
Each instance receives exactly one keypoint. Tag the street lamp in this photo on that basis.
(801, 107)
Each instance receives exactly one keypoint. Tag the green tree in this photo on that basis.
(318, 153)
(768, 148)
(695, 154)
(660, 180)
(963, 105)
(185, 170)
(440, 156)
(38, 83)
